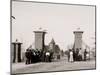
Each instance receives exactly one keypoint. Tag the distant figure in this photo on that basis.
(68, 54)
(30, 56)
(33, 56)
(71, 56)
(85, 53)
(27, 57)
(42, 55)
(80, 55)
(58, 56)
(76, 54)
(51, 56)
(38, 55)
(47, 54)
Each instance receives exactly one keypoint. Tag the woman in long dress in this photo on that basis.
(47, 56)
(71, 56)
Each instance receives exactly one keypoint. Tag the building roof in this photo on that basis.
(52, 41)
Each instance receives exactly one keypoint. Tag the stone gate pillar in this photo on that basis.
(16, 51)
(78, 39)
(39, 39)
(78, 44)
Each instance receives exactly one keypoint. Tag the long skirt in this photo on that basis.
(71, 58)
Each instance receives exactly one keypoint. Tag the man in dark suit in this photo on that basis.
(85, 52)
(27, 56)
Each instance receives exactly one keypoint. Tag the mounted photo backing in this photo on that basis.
(52, 37)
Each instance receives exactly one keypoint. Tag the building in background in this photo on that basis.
(53, 47)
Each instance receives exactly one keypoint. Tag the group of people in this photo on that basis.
(76, 55)
(33, 56)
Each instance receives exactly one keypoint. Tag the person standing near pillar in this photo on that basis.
(74, 55)
(47, 54)
(68, 54)
(27, 56)
(80, 55)
(71, 56)
(30, 56)
(85, 53)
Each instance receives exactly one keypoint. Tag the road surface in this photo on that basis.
(58, 65)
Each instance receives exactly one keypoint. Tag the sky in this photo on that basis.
(58, 20)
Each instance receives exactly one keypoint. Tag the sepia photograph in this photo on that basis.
(52, 37)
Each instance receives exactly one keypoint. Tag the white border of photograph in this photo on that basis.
(5, 37)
